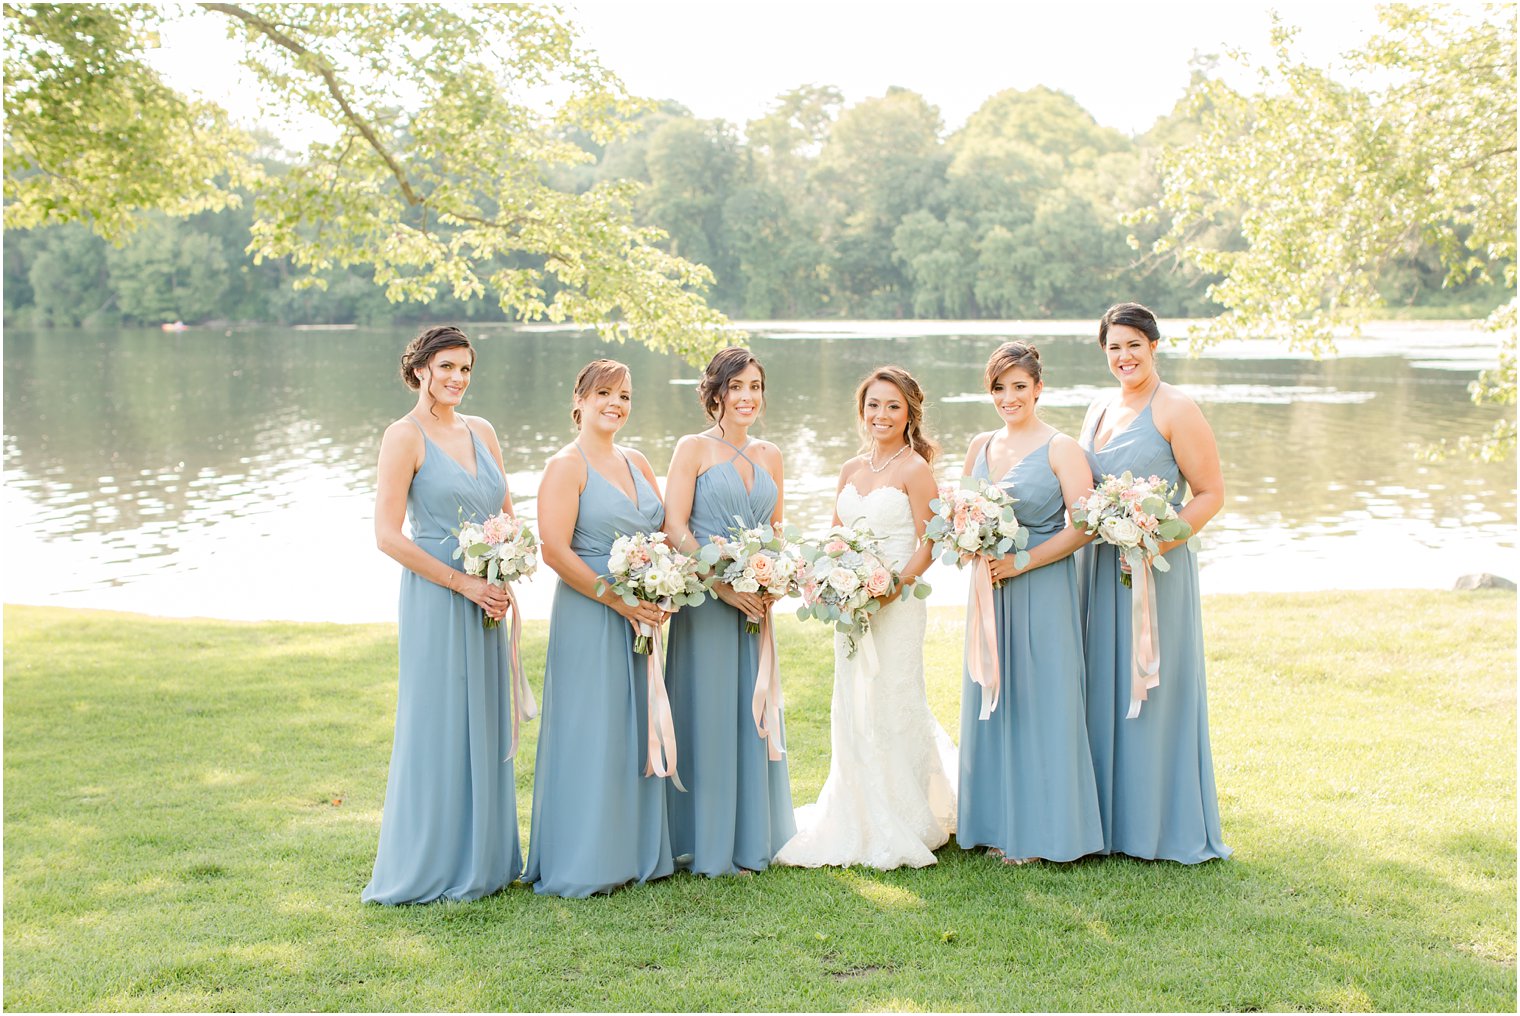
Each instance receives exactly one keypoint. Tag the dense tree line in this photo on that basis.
(817, 209)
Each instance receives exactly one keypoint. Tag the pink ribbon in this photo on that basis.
(981, 636)
(523, 705)
(765, 705)
(1145, 638)
(662, 725)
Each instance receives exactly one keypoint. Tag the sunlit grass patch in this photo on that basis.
(192, 807)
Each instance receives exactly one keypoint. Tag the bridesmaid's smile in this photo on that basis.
(1131, 356)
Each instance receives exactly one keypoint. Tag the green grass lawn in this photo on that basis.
(191, 809)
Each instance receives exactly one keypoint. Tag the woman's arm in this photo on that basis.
(973, 450)
(770, 457)
(1197, 456)
(922, 489)
(401, 453)
(845, 472)
(680, 490)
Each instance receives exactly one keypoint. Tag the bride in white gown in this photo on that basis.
(889, 799)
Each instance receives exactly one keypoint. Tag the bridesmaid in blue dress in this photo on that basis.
(1155, 772)
(1026, 777)
(737, 811)
(449, 829)
(598, 821)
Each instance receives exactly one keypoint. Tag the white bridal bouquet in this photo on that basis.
(644, 567)
(846, 579)
(501, 549)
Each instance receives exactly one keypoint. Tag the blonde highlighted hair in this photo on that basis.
(594, 375)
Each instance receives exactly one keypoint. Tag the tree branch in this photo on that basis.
(334, 88)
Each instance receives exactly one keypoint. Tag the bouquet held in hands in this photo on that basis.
(501, 549)
(644, 567)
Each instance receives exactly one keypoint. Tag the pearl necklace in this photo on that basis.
(871, 462)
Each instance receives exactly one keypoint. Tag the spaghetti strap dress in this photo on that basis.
(1026, 782)
(598, 822)
(737, 809)
(1155, 772)
(449, 829)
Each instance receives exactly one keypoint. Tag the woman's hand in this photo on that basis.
(895, 593)
(1002, 568)
(641, 613)
(492, 599)
(751, 605)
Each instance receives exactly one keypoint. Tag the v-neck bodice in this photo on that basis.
(1039, 504)
(1138, 448)
(605, 512)
(443, 493)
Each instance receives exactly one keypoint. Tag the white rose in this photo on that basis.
(472, 565)
(1007, 527)
(844, 581)
(617, 564)
(969, 540)
(746, 585)
(1122, 532)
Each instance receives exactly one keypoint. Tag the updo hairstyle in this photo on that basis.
(726, 365)
(594, 375)
(1135, 316)
(1010, 355)
(419, 352)
(912, 395)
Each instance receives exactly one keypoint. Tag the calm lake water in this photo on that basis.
(231, 474)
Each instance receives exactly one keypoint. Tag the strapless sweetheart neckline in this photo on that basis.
(874, 490)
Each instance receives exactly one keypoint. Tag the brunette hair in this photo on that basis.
(1009, 355)
(726, 365)
(913, 395)
(1134, 315)
(419, 352)
(593, 376)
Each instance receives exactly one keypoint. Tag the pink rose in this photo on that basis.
(879, 582)
(498, 529)
(835, 547)
(760, 568)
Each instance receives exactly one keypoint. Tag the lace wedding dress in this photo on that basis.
(889, 799)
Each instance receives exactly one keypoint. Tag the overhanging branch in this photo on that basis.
(334, 88)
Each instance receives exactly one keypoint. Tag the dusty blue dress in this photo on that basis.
(1155, 772)
(1027, 783)
(598, 822)
(449, 830)
(737, 811)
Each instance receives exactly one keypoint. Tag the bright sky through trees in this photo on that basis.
(1126, 63)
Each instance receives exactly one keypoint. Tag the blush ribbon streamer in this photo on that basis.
(1145, 638)
(981, 636)
(766, 704)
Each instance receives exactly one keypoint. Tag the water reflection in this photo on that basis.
(231, 473)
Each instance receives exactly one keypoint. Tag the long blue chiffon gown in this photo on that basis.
(449, 830)
(1027, 785)
(598, 822)
(1155, 772)
(737, 811)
